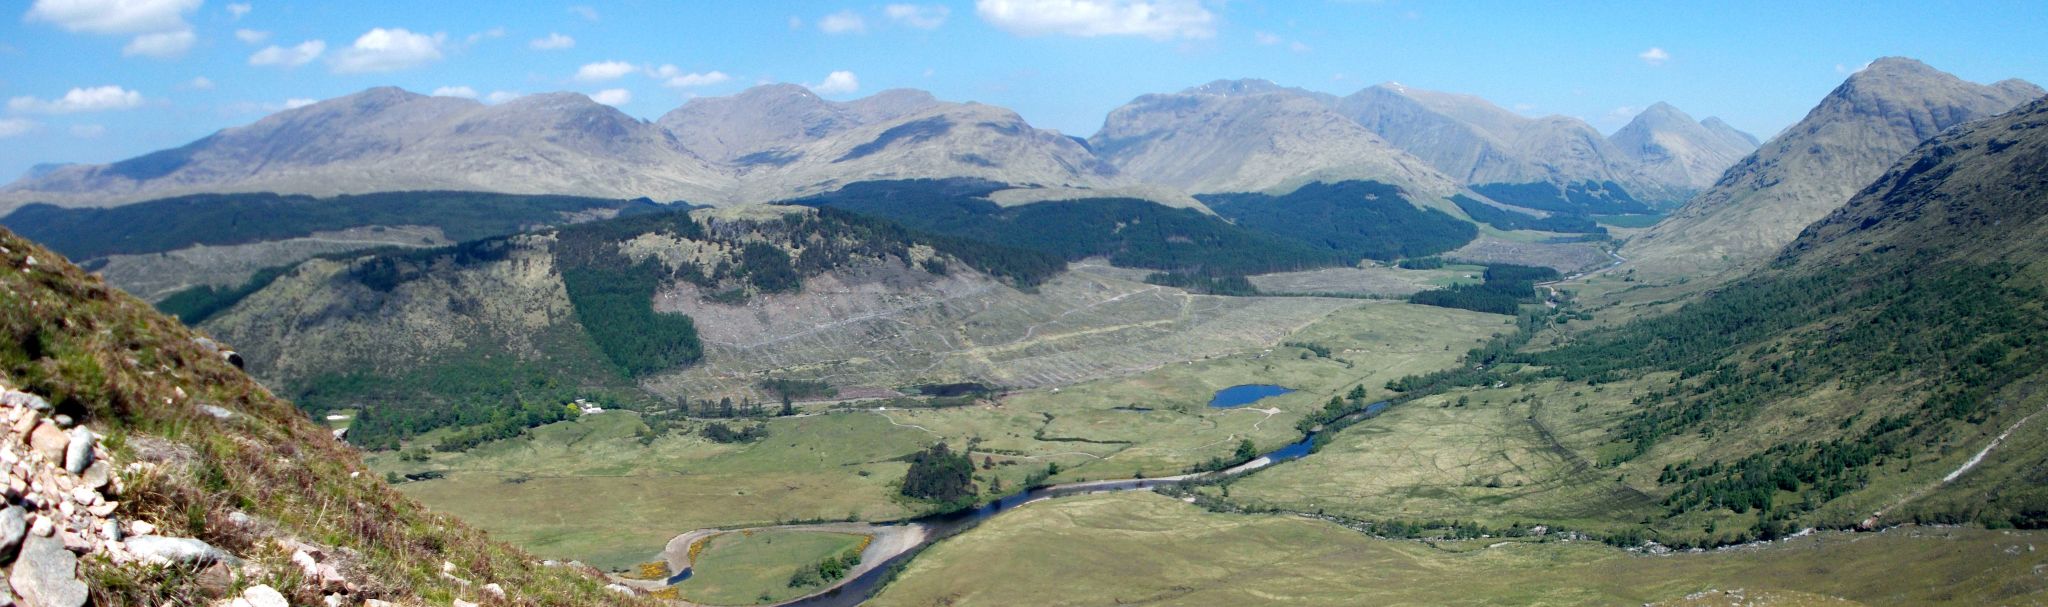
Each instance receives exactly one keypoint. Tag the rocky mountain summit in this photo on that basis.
(1812, 168)
(1673, 148)
(1476, 142)
(387, 139)
(1251, 135)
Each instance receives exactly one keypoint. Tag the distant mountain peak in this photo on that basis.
(1241, 86)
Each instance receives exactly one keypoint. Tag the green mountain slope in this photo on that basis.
(1886, 368)
(205, 453)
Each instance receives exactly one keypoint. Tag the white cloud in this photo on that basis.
(1655, 56)
(199, 83)
(385, 50)
(88, 131)
(1156, 19)
(843, 22)
(1845, 69)
(920, 17)
(604, 70)
(613, 97)
(279, 56)
(796, 23)
(587, 13)
(14, 127)
(114, 16)
(95, 99)
(298, 102)
(696, 79)
(1267, 38)
(239, 9)
(554, 42)
(455, 91)
(249, 36)
(161, 45)
(837, 83)
(159, 25)
(501, 96)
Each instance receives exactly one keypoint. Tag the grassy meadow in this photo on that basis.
(751, 568)
(602, 489)
(1146, 549)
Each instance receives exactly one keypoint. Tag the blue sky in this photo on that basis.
(100, 80)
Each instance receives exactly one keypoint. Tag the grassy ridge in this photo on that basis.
(231, 219)
(1130, 232)
(1353, 220)
(1145, 549)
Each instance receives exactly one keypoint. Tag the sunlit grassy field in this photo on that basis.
(754, 568)
(1146, 549)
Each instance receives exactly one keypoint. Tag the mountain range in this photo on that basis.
(780, 141)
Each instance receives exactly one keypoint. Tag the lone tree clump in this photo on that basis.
(940, 475)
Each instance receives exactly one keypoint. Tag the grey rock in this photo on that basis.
(263, 596)
(46, 575)
(64, 420)
(174, 550)
(24, 399)
(110, 529)
(217, 411)
(78, 454)
(13, 527)
(97, 475)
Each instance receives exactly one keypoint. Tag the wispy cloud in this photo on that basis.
(587, 13)
(1156, 19)
(920, 17)
(159, 26)
(455, 91)
(278, 56)
(604, 70)
(552, 42)
(94, 99)
(161, 45)
(843, 22)
(15, 127)
(1655, 56)
(249, 36)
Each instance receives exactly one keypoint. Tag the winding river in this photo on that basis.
(918, 533)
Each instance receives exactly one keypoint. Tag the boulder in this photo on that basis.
(160, 550)
(262, 596)
(78, 454)
(49, 440)
(46, 575)
(13, 527)
(97, 475)
(25, 400)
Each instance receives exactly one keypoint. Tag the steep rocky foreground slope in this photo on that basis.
(1858, 130)
(228, 488)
